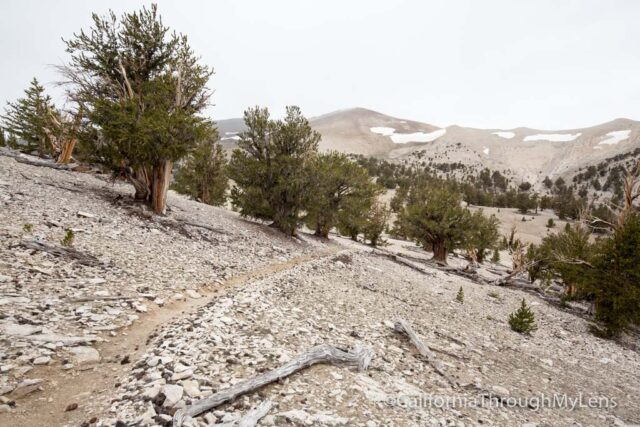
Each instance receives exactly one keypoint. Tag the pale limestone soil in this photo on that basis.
(259, 326)
(153, 264)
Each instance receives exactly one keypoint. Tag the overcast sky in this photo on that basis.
(491, 64)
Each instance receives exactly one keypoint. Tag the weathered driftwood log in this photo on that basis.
(35, 161)
(404, 327)
(251, 418)
(358, 357)
(402, 261)
(60, 251)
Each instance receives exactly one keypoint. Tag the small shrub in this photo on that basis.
(460, 295)
(27, 228)
(523, 320)
(495, 295)
(69, 235)
(551, 223)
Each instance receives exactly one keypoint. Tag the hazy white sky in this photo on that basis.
(493, 64)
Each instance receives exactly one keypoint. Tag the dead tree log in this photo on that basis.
(404, 327)
(60, 251)
(251, 418)
(358, 357)
(35, 161)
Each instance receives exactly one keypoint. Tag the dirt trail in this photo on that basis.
(90, 388)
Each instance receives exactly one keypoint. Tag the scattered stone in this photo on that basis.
(83, 355)
(173, 394)
(71, 407)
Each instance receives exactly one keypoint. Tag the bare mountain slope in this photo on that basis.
(530, 154)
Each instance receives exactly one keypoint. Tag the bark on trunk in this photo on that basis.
(160, 185)
(141, 183)
(67, 151)
(439, 252)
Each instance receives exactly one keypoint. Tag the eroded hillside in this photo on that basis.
(176, 309)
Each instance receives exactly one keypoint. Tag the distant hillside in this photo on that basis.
(525, 154)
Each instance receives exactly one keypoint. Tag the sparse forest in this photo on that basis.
(123, 303)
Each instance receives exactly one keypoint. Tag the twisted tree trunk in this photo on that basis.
(439, 251)
(161, 177)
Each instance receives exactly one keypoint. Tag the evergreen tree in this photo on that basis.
(523, 320)
(338, 184)
(271, 167)
(27, 119)
(482, 234)
(434, 217)
(551, 223)
(203, 173)
(376, 223)
(143, 89)
(460, 295)
(614, 282)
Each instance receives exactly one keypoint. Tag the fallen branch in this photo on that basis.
(398, 259)
(404, 327)
(358, 357)
(60, 251)
(252, 417)
(35, 161)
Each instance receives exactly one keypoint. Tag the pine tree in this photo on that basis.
(338, 184)
(203, 174)
(144, 91)
(376, 223)
(27, 119)
(551, 223)
(434, 217)
(614, 282)
(482, 234)
(3, 140)
(523, 320)
(460, 295)
(271, 168)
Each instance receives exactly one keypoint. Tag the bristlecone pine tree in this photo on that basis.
(434, 217)
(523, 320)
(203, 174)
(376, 223)
(271, 168)
(27, 119)
(143, 90)
(460, 295)
(338, 184)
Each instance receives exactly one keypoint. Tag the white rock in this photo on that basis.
(193, 294)
(173, 394)
(42, 360)
(84, 354)
(502, 391)
(191, 388)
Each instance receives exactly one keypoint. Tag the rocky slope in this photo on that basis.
(234, 325)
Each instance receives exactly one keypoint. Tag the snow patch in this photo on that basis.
(553, 137)
(486, 150)
(403, 138)
(505, 134)
(234, 137)
(615, 137)
(382, 130)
